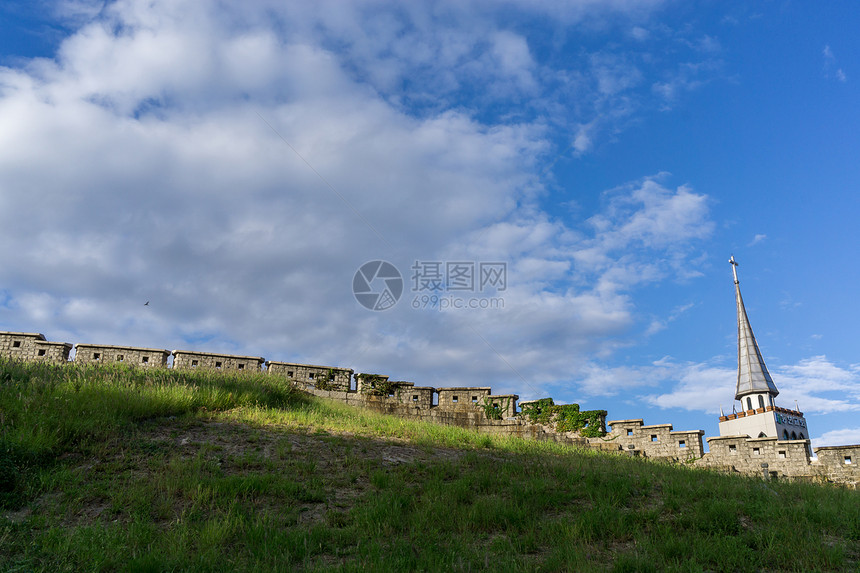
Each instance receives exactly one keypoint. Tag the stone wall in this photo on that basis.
(839, 464)
(33, 347)
(332, 378)
(467, 407)
(656, 441)
(746, 455)
(188, 360)
(143, 357)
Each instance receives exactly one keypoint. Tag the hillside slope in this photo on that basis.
(106, 469)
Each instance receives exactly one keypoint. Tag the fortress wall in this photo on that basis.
(504, 404)
(143, 357)
(789, 458)
(32, 347)
(656, 441)
(839, 463)
(463, 415)
(366, 383)
(746, 455)
(188, 360)
(463, 398)
(335, 378)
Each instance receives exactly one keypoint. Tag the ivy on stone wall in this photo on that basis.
(495, 411)
(376, 385)
(326, 383)
(565, 417)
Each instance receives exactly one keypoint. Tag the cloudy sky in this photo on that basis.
(236, 163)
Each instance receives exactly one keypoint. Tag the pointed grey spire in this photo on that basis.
(753, 376)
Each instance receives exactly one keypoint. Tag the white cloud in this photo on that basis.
(816, 384)
(140, 165)
(831, 69)
(757, 239)
(847, 436)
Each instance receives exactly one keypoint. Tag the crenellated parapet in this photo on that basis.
(192, 360)
(840, 464)
(478, 408)
(130, 355)
(657, 440)
(33, 347)
(323, 377)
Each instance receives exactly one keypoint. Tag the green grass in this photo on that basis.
(105, 469)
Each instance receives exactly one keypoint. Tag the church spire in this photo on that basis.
(753, 376)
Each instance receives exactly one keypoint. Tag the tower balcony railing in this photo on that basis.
(753, 412)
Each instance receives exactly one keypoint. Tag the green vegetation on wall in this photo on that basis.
(494, 410)
(376, 385)
(565, 417)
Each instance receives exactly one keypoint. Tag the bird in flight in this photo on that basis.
(146, 303)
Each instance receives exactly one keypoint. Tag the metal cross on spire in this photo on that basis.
(734, 268)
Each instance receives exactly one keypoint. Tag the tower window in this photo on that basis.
(241, 367)
(310, 375)
(733, 449)
(120, 357)
(782, 453)
(290, 373)
(97, 356)
(682, 444)
(41, 352)
(454, 399)
(16, 344)
(653, 437)
(756, 452)
(415, 397)
(629, 432)
(217, 364)
(194, 363)
(145, 359)
(760, 401)
(749, 403)
(847, 460)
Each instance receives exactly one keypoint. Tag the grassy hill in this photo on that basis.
(105, 469)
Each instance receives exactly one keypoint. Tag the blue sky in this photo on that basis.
(235, 164)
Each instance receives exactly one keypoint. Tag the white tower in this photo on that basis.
(759, 416)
